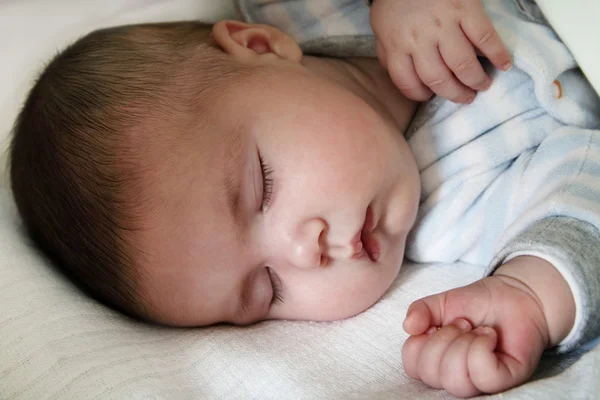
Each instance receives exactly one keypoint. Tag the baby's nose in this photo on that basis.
(307, 244)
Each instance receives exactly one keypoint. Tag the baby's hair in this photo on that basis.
(70, 156)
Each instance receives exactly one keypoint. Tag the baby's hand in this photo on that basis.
(428, 45)
(492, 335)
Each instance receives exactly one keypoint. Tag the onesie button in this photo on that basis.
(558, 92)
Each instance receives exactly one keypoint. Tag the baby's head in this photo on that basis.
(193, 175)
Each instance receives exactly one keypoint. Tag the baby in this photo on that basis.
(192, 175)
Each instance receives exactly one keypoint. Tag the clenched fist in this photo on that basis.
(488, 336)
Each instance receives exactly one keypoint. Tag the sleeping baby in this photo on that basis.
(190, 174)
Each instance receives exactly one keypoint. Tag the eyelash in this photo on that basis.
(276, 284)
(267, 182)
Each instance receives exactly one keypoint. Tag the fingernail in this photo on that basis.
(462, 324)
(507, 66)
(432, 330)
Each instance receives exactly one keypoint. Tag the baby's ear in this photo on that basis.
(247, 41)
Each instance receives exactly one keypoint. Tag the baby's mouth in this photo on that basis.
(369, 244)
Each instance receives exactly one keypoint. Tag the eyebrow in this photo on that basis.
(243, 308)
(233, 167)
(233, 183)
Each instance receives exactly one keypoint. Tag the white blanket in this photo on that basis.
(55, 343)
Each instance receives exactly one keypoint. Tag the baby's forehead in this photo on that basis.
(175, 158)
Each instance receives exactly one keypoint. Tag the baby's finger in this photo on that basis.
(404, 75)
(454, 373)
(419, 316)
(481, 32)
(411, 351)
(434, 73)
(460, 57)
(491, 372)
(429, 365)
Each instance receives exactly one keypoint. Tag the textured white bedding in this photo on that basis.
(55, 343)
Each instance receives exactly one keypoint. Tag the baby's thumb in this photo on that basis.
(420, 316)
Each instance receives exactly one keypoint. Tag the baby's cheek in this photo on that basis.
(328, 297)
(364, 289)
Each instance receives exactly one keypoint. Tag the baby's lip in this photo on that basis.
(370, 243)
(364, 241)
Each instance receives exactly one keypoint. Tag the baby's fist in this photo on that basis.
(486, 337)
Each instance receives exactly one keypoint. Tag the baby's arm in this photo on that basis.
(555, 226)
(492, 332)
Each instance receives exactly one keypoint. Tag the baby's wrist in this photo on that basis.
(545, 283)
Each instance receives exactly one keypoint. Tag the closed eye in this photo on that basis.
(266, 171)
(276, 284)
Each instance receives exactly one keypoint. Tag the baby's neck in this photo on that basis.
(367, 79)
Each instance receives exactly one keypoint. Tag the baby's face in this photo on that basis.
(292, 202)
